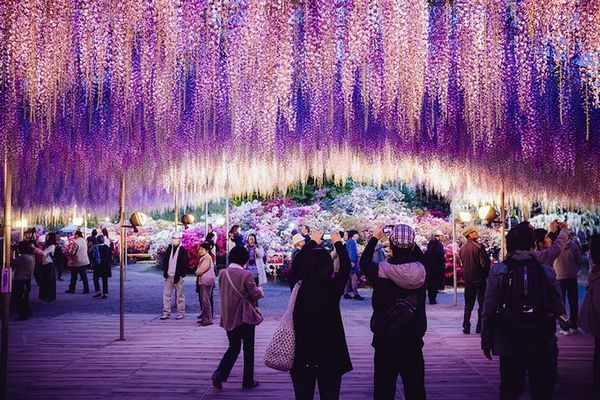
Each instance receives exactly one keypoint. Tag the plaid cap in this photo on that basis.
(402, 236)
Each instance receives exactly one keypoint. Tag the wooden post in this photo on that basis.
(227, 231)
(454, 274)
(6, 274)
(205, 217)
(176, 212)
(123, 254)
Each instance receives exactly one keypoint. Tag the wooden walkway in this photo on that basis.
(76, 356)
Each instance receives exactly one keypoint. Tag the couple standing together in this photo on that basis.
(321, 353)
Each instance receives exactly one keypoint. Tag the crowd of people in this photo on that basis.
(520, 300)
(46, 262)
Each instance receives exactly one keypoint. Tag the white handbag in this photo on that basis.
(279, 353)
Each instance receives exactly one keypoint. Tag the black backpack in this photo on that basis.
(525, 311)
(59, 258)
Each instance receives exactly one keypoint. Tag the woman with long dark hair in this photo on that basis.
(321, 354)
(47, 273)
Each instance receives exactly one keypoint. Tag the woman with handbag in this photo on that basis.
(321, 354)
(239, 317)
(399, 321)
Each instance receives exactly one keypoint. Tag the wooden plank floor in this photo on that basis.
(76, 356)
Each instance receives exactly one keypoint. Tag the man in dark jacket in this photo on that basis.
(175, 268)
(522, 303)
(435, 263)
(476, 266)
(401, 277)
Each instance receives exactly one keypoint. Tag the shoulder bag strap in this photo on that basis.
(237, 291)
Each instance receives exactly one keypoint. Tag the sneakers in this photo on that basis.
(104, 296)
(574, 331)
(467, 331)
(165, 316)
(179, 316)
(566, 332)
(98, 295)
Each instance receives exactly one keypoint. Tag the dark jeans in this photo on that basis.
(97, 283)
(304, 381)
(407, 362)
(20, 293)
(597, 364)
(243, 333)
(47, 283)
(473, 291)
(82, 271)
(570, 292)
(539, 368)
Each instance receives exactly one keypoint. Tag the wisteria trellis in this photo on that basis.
(230, 96)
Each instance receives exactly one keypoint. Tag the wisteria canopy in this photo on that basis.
(216, 97)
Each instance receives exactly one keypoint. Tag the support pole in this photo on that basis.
(227, 230)
(6, 274)
(122, 249)
(22, 234)
(502, 225)
(454, 274)
(205, 217)
(176, 211)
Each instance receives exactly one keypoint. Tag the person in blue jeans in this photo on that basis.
(352, 285)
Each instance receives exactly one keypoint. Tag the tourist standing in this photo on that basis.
(566, 267)
(60, 260)
(109, 242)
(175, 267)
(435, 265)
(398, 290)
(205, 283)
(256, 264)
(305, 232)
(352, 285)
(102, 266)
(79, 263)
(321, 353)
(590, 309)
(475, 265)
(23, 269)
(239, 317)
(522, 303)
(234, 238)
(547, 250)
(91, 242)
(212, 238)
(47, 280)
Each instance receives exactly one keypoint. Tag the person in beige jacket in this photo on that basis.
(205, 283)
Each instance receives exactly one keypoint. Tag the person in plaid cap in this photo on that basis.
(398, 346)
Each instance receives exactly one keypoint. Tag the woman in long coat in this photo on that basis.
(102, 266)
(321, 354)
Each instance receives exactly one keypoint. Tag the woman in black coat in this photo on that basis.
(321, 355)
(102, 266)
(435, 264)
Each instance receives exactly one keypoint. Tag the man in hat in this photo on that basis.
(298, 241)
(475, 266)
(175, 267)
(435, 261)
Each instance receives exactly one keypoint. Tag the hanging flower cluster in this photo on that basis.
(216, 97)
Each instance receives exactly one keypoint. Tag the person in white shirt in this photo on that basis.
(175, 267)
(79, 263)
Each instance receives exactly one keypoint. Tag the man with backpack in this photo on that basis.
(522, 303)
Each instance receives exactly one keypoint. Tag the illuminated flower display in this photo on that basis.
(232, 96)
